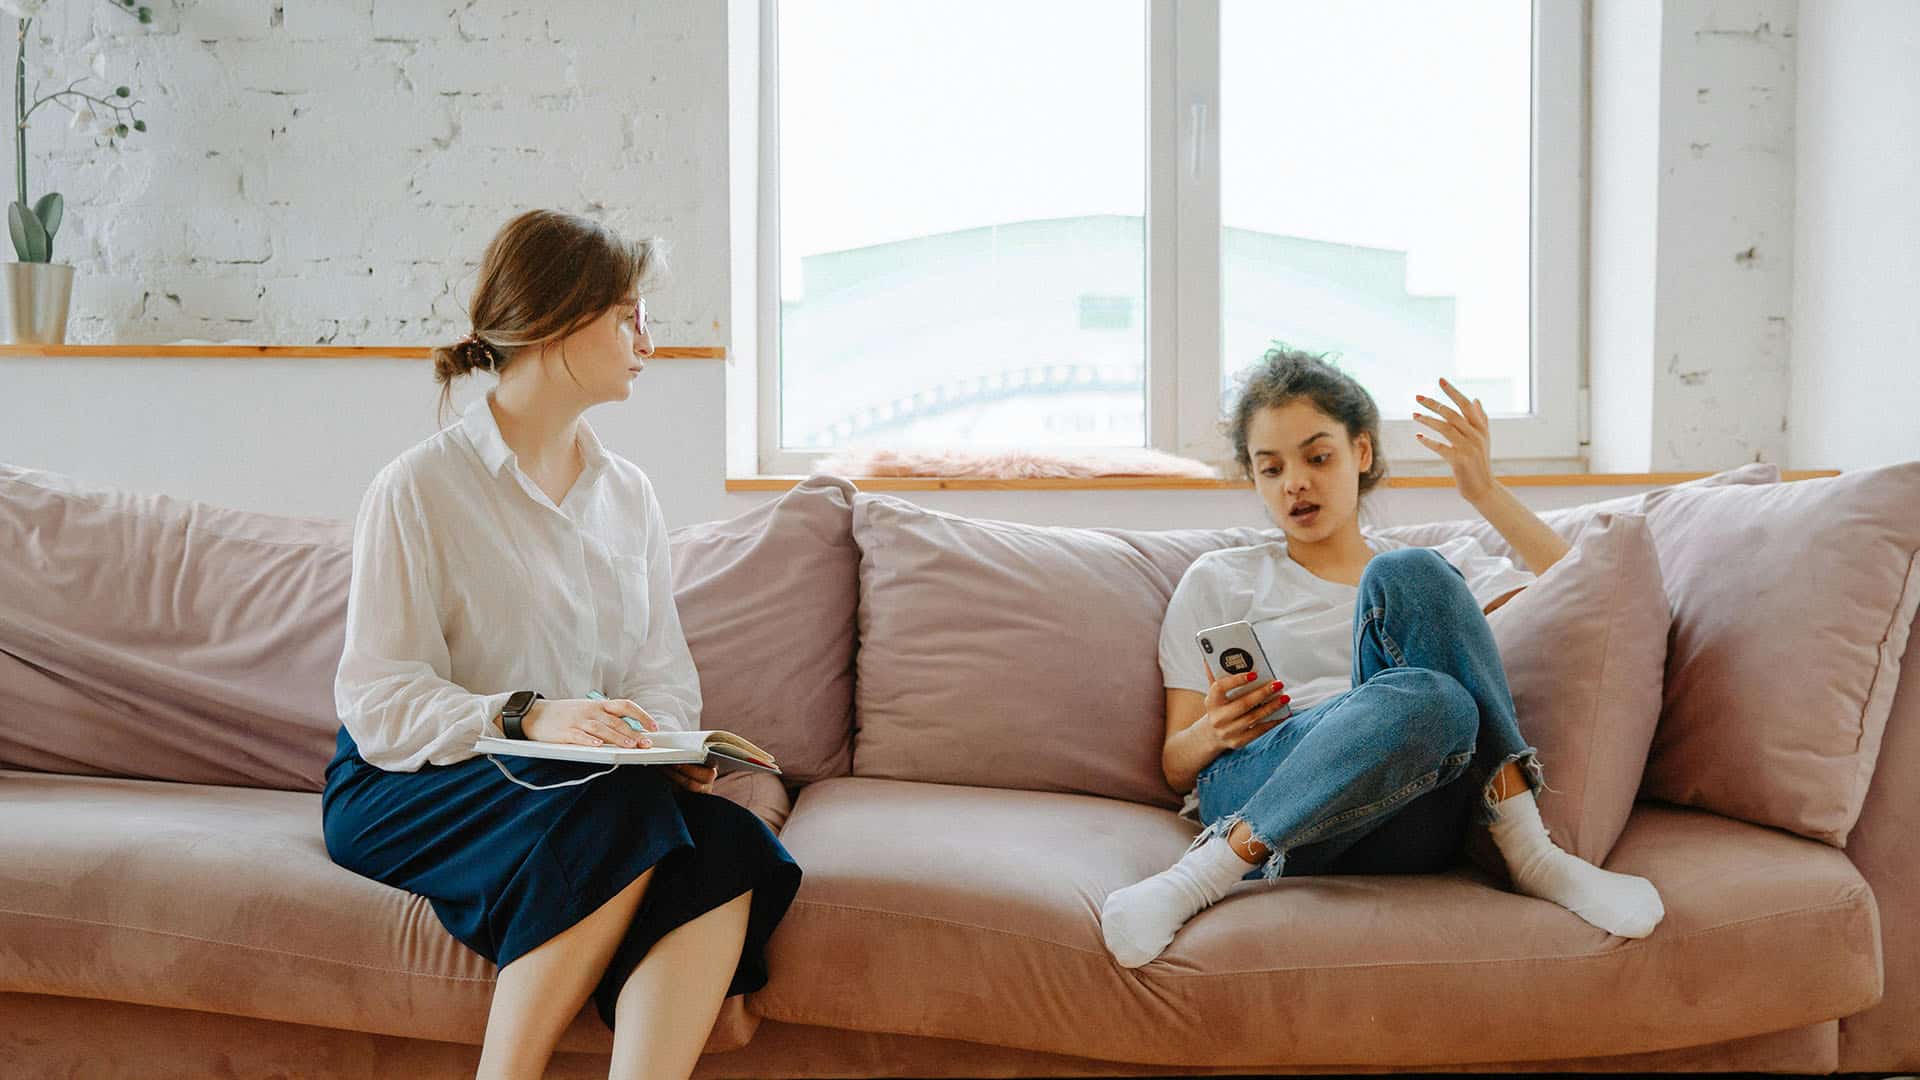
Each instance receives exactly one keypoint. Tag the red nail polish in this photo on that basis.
(1284, 699)
(1251, 675)
(1276, 684)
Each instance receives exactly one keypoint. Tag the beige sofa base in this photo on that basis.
(44, 1036)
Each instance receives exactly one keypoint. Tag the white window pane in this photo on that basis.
(1375, 161)
(962, 208)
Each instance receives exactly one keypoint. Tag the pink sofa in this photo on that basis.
(167, 907)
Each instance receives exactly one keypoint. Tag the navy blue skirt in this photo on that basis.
(507, 869)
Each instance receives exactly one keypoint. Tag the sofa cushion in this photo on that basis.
(223, 899)
(1791, 607)
(1585, 648)
(142, 635)
(970, 913)
(1010, 655)
(767, 602)
(1570, 521)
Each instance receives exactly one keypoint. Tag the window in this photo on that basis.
(1074, 222)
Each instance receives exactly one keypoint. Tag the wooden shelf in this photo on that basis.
(1162, 483)
(299, 352)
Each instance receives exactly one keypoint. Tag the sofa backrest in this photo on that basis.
(1000, 654)
(767, 602)
(157, 638)
(147, 636)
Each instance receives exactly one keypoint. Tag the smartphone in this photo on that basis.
(1234, 649)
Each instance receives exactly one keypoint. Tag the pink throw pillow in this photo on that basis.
(1006, 655)
(1792, 604)
(1584, 648)
(767, 602)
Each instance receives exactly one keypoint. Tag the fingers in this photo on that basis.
(613, 731)
(1468, 407)
(1218, 690)
(1247, 703)
(1453, 420)
(621, 708)
(1261, 721)
(1444, 449)
(697, 778)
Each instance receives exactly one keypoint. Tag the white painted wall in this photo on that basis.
(1691, 231)
(1856, 303)
(1623, 221)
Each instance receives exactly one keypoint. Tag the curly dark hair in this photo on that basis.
(1284, 374)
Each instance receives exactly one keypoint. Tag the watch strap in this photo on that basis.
(515, 714)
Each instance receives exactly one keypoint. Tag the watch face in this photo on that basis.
(520, 702)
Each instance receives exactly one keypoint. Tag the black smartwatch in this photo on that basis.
(516, 711)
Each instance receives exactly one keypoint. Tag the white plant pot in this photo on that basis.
(33, 302)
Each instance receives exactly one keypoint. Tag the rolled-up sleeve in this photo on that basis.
(660, 676)
(393, 690)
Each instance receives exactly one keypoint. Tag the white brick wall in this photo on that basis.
(1725, 289)
(330, 170)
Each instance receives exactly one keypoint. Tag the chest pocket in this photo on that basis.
(635, 599)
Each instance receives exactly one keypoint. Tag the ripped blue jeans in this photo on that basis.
(1382, 778)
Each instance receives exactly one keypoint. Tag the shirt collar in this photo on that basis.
(483, 431)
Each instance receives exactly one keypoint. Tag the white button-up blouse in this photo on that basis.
(469, 583)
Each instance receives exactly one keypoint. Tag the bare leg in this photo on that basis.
(1508, 782)
(1240, 839)
(538, 995)
(667, 1007)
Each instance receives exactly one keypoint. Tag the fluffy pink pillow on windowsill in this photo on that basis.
(1012, 464)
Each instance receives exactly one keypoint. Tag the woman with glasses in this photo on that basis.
(503, 570)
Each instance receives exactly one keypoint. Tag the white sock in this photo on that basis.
(1139, 920)
(1617, 903)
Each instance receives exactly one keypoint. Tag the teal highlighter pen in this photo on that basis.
(631, 722)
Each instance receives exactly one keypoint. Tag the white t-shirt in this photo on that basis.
(470, 583)
(1304, 622)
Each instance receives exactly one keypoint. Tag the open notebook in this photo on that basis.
(722, 749)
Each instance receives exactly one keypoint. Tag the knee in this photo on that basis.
(1408, 563)
(1428, 712)
(712, 817)
(1417, 574)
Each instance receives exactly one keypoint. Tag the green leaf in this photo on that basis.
(123, 91)
(18, 231)
(139, 125)
(50, 209)
(120, 131)
(29, 237)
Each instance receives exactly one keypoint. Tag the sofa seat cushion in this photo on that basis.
(223, 899)
(971, 913)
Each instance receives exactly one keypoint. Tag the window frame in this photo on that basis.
(1183, 323)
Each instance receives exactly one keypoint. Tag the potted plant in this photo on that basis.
(34, 292)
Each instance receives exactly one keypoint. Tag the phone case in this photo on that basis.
(1233, 649)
